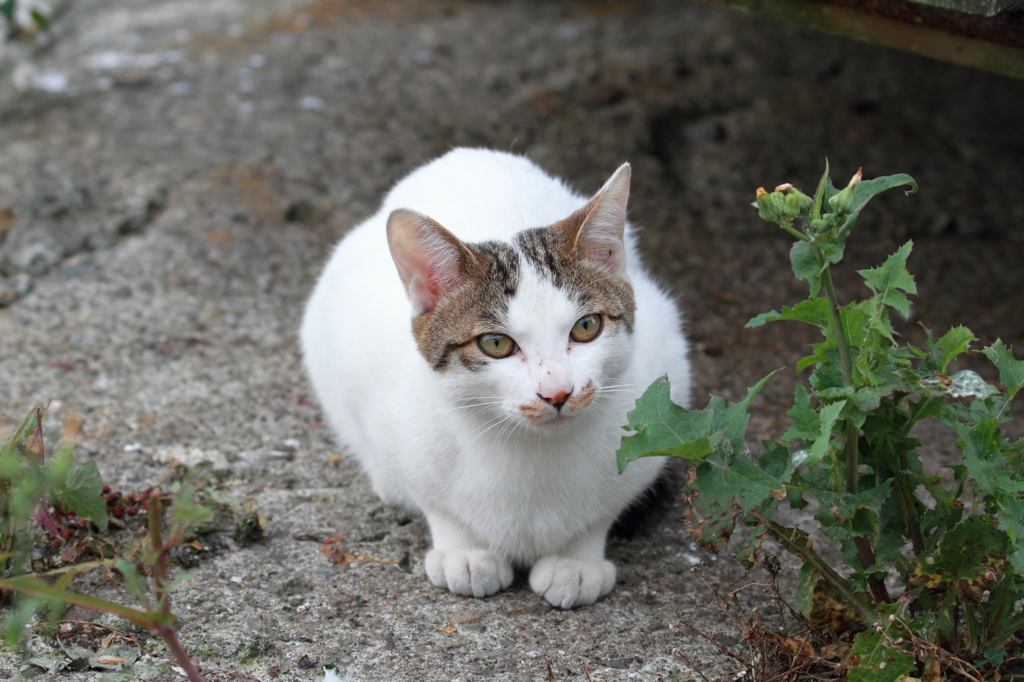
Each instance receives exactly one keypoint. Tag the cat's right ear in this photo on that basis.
(431, 261)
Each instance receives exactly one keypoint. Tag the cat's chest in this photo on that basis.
(533, 484)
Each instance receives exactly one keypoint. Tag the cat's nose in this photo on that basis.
(557, 399)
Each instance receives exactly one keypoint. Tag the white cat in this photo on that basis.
(481, 372)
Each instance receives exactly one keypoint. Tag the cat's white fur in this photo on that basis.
(496, 489)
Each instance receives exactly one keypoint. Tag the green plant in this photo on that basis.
(26, 478)
(955, 551)
(34, 17)
(29, 485)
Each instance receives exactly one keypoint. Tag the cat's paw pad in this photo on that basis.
(472, 572)
(568, 583)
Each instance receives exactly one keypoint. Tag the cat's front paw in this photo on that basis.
(472, 572)
(568, 583)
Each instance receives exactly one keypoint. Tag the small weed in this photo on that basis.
(45, 502)
(953, 553)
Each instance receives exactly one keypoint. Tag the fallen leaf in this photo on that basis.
(797, 648)
(340, 557)
(449, 629)
(220, 237)
(835, 652)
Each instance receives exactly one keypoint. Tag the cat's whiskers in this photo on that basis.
(618, 387)
(609, 414)
(494, 422)
(483, 403)
(516, 424)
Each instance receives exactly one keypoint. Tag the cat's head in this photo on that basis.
(533, 331)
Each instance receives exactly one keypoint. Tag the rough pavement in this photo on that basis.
(172, 174)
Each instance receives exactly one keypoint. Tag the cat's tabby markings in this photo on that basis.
(476, 345)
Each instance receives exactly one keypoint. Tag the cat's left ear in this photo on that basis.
(597, 230)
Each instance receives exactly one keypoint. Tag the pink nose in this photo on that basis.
(557, 399)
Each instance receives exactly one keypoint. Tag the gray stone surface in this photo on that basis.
(171, 187)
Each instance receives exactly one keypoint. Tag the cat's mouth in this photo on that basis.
(542, 412)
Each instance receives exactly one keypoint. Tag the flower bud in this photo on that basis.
(782, 206)
(843, 202)
(857, 177)
(796, 203)
(768, 207)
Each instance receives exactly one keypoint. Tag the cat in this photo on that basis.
(476, 345)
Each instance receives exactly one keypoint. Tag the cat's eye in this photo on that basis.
(496, 345)
(586, 328)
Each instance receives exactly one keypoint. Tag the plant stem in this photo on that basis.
(163, 596)
(837, 326)
(156, 517)
(795, 232)
(847, 362)
(864, 551)
(908, 504)
(170, 636)
(781, 534)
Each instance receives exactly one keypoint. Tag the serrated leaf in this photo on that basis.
(1011, 370)
(868, 398)
(891, 278)
(770, 316)
(727, 488)
(664, 429)
(79, 487)
(893, 532)
(807, 265)
(740, 480)
(820, 356)
(983, 457)
(956, 341)
(731, 420)
(880, 660)
(728, 484)
(776, 461)
(1011, 520)
(839, 507)
(812, 311)
(994, 657)
(828, 415)
(969, 560)
(806, 422)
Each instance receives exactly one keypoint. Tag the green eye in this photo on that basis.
(496, 345)
(586, 328)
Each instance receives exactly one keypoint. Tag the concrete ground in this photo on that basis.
(173, 174)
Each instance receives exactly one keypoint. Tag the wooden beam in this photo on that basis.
(924, 40)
